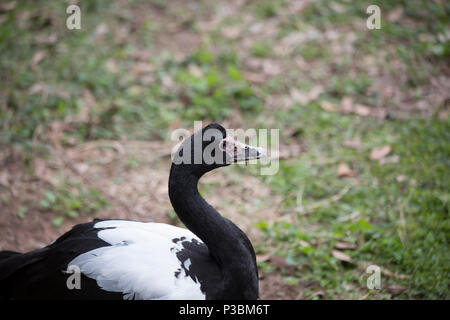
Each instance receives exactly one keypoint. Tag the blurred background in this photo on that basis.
(86, 117)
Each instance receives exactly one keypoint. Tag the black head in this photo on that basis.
(209, 148)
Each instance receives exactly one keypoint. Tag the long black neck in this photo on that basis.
(227, 244)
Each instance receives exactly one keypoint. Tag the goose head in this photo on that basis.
(210, 148)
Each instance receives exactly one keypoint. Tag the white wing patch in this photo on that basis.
(187, 264)
(141, 261)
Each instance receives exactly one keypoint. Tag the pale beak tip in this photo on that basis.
(261, 152)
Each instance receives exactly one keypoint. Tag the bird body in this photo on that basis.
(121, 259)
(148, 250)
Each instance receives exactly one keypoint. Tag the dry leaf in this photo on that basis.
(298, 6)
(195, 70)
(303, 243)
(37, 57)
(328, 106)
(353, 144)
(395, 289)
(7, 6)
(391, 159)
(379, 113)
(37, 88)
(401, 178)
(231, 32)
(298, 96)
(141, 68)
(167, 82)
(271, 68)
(380, 152)
(363, 297)
(135, 90)
(304, 98)
(263, 257)
(346, 105)
(141, 54)
(89, 103)
(319, 293)
(23, 19)
(345, 246)
(55, 133)
(286, 152)
(254, 63)
(254, 77)
(81, 167)
(345, 171)
(443, 115)
(146, 79)
(111, 66)
(278, 261)
(362, 110)
(61, 92)
(46, 39)
(352, 217)
(339, 8)
(42, 172)
(341, 256)
(4, 178)
(395, 15)
(315, 92)
(101, 30)
(121, 34)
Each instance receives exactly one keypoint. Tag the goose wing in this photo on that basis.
(142, 261)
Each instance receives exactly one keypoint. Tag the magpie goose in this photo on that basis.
(121, 259)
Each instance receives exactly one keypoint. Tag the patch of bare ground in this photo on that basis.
(273, 287)
(133, 177)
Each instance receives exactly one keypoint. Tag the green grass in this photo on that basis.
(401, 225)
(99, 87)
(261, 49)
(70, 200)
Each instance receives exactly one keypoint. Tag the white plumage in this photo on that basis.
(141, 261)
